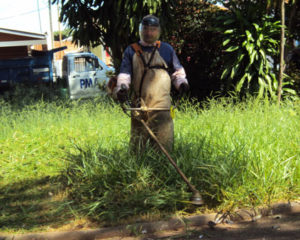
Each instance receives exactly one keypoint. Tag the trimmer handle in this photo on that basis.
(123, 87)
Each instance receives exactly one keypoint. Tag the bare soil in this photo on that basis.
(281, 225)
(278, 227)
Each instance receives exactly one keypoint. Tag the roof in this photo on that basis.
(79, 54)
(12, 38)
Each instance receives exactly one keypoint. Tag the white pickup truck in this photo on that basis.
(84, 74)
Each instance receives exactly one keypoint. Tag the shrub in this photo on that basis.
(197, 46)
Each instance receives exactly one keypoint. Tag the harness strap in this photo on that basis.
(138, 49)
(146, 67)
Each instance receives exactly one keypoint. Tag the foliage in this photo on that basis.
(256, 12)
(64, 34)
(263, 6)
(293, 13)
(251, 45)
(185, 24)
(21, 95)
(293, 69)
(271, 8)
(114, 24)
(197, 46)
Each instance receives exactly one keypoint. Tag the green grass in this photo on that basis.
(62, 161)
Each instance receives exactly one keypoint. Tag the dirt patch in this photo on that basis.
(278, 227)
(281, 222)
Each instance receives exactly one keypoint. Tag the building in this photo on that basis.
(17, 44)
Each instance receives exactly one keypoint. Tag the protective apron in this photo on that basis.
(151, 91)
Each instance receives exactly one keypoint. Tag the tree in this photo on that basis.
(252, 42)
(115, 24)
(65, 34)
(197, 46)
(111, 23)
(273, 8)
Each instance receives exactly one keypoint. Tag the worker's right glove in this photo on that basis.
(122, 94)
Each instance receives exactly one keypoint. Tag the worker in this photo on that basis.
(148, 69)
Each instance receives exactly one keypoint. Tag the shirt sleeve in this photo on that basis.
(126, 64)
(124, 77)
(175, 61)
(178, 76)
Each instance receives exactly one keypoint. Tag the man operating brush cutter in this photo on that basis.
(148, 69)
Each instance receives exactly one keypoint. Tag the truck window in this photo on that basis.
(97, 64)
(85, 64)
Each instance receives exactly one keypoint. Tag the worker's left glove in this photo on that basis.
(122, 94)
(183, 88)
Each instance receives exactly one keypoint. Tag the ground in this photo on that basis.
(279, 227)
(276, 227)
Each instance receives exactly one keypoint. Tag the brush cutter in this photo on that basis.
(196, 197)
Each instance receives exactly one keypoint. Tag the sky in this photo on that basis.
(24, 15)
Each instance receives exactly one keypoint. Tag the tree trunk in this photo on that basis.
(282, 43)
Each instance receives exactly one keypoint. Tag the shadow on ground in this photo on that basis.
(31, 204)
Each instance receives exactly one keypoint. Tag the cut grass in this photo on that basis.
(66, 161)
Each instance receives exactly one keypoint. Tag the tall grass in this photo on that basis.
(40, 135)
(236, 154)
(248, 153)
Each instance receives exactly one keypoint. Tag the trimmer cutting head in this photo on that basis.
(197, 199)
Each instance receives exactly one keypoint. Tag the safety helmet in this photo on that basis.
(152, 22)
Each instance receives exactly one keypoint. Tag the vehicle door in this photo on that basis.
(101, 72)
(82, 80)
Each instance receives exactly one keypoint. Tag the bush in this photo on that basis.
(197, 46)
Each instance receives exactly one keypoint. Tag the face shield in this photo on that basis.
(149, 29)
